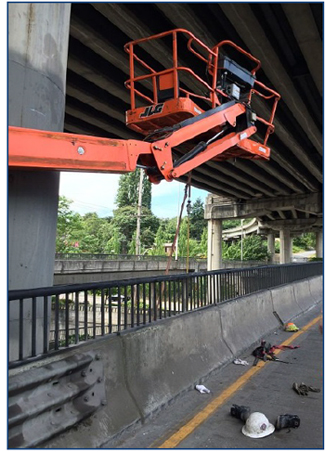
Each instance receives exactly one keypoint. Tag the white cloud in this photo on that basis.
(91, 192)
(96, 192)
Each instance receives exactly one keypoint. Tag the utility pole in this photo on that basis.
(137, 238)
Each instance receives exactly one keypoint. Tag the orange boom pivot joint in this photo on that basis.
(182, 127)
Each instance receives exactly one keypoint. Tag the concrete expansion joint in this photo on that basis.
(126, 378)
(271, 296)
(222, 334)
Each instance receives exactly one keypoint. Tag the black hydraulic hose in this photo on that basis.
(195, 151)
(200, 147)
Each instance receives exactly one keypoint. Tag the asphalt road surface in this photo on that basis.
(203, 421)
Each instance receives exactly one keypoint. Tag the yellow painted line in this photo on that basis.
(200, 417)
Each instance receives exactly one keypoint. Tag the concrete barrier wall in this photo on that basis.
(245, 320)
(284, 301)
(148, 367)
(316, 287)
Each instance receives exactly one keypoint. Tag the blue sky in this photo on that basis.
(96, 192)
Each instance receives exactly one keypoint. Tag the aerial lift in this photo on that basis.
(186, 120)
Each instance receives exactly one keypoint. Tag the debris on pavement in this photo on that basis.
(202, 389)
(302, 389)
(291, 327)
(266, 351)
(241, 362)
(257, 426)
(240, 412)
(287, 421)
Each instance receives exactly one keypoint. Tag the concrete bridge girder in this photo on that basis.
(292, 38)
(294, 225)
(181, 15)
(218, 209)
(243, 19)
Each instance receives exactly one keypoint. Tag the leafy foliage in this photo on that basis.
(125, 222)
(69, 226)
(254, 248)
(306, 241)
(128, 190)
(197, 221)
(116, 235)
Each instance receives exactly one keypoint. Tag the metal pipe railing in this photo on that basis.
(122, 257)
(46, 320)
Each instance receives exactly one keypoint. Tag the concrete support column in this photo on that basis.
(214, 244)
(285, 246)
(37, 64)
(319, 244)
(271, 246)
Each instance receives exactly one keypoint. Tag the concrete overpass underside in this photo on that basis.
(286, 37)
(67, 69)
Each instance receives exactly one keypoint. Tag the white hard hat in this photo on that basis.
(257, 426)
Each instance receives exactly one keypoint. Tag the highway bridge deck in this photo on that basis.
(203, 421)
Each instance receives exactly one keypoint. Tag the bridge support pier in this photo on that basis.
(37, 63)
(285, 246)
(214, 244)
(271, 246)
(319, 244)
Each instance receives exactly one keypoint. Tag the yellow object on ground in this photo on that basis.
(291, 327)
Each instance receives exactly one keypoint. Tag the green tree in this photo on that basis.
(69, 228)
(229, 224)
(158, 248)
(254, 248)
(125, 220)
(197, 221)
(113, 245)
(305, 241)
(204, 243)
(89, 240)
(128, 190)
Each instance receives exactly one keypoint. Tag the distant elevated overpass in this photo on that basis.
(70, 269)
(241, 230)
(79, 268)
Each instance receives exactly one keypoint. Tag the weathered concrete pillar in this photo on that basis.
(271, 246)
(214, 244)
(285, 246)
(37, 64)
(319, 244)
(38, 48)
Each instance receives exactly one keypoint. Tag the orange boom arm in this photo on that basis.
(176, 122)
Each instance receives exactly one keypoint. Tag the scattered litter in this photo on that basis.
(279, 318)
(241, 362)
(287, 421)
(240, 412)
(283, 347)
(257, 426)
(303, 389)
(202, 389)
(266, 351)
(291, 327)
